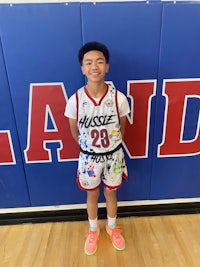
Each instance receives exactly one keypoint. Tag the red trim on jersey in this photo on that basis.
(112, 187)
(124, 177)
(116, 101)
(104, 94)
(92, 99)
(77, 106)
(83, 188)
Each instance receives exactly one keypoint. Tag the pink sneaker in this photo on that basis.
(116, 237)
(91, 241)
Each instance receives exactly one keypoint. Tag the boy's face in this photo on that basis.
(94, 66)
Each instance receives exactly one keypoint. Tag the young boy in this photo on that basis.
(97, 114)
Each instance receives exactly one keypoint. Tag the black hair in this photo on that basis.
(93, 46)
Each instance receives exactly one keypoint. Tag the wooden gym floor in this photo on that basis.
(170, 241)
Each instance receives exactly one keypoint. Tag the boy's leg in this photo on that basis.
(111, 202)
(92, 210)
(92, 203)
(111, 228)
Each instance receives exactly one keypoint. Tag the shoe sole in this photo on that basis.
(120, 249)
(88, 253)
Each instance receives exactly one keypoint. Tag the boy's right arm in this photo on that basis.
(74, 128)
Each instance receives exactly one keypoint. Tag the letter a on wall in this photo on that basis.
(47, 102)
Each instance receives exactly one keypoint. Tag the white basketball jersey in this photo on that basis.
(98, 123)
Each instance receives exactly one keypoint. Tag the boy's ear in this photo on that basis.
(107, 69)
(82, 68)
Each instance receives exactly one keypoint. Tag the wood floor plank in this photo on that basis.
(160, 241)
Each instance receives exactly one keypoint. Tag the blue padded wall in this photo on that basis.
(13, 186)
(154, 61)
(178, 176)
(40, 43)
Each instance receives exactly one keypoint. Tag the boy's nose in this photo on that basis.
(94, 65)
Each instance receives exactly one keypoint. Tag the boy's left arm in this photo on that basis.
(122, 125)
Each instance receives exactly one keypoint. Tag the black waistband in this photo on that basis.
(101, 154)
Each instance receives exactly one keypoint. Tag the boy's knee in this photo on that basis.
(109, 193)
(93, 193)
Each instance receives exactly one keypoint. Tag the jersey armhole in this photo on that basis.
(117, 107)
(77, 106)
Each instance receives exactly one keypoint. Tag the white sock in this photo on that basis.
(111, 221)
(93, 224)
